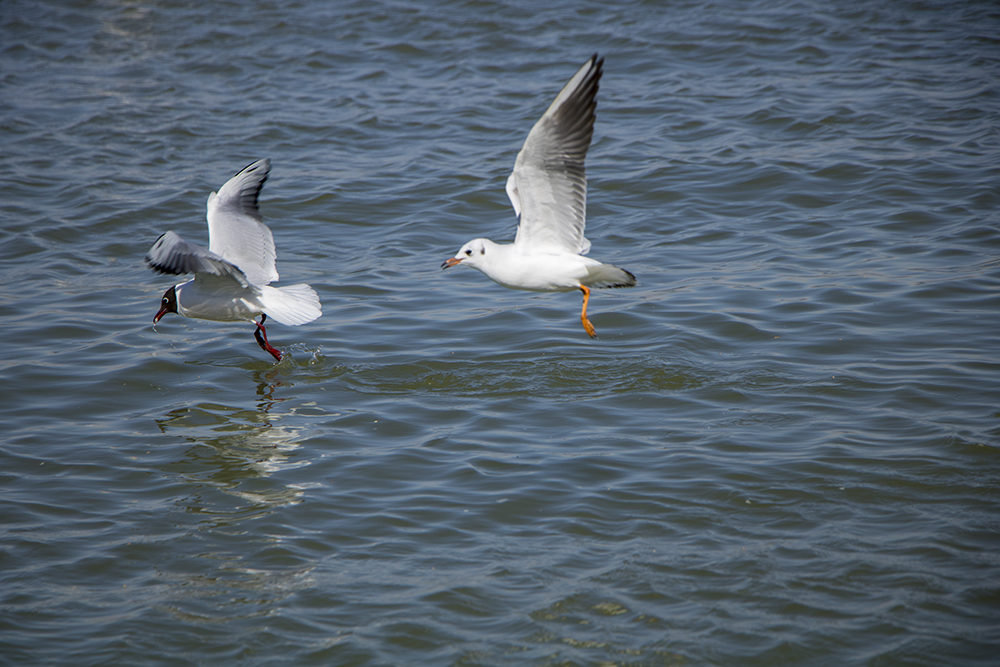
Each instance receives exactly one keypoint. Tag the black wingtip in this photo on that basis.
(264, 162)
(165, 270)
(631, 282)
(249, 198)
(156, 266)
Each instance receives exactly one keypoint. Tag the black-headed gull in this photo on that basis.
(548, 189)
(231, 277)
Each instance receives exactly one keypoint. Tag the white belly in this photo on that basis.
(539, 273)
(220, 301)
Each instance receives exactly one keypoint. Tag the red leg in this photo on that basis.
(261, 335)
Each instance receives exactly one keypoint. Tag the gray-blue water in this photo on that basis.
(784, 447)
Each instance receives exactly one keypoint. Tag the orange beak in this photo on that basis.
(451, 262)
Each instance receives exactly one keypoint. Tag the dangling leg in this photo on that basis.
(588, 327)
(260, 333)
(256, 334)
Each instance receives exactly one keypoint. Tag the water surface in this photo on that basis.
(784, 447)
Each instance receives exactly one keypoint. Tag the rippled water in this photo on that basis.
(784, 448)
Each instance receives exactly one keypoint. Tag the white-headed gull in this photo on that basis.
(548, 189)
(231, 277)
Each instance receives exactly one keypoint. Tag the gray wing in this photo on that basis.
(173, 255)
(236, 230)
(548, 187)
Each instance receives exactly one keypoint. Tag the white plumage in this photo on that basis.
(231, 277)
(548, 190)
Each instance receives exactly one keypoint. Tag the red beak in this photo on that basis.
(451, 262)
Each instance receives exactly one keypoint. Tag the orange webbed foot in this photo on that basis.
(587, 326)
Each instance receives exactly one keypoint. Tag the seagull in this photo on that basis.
(548, 189)
(231, 277)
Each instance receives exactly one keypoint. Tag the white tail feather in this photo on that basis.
(291, 305)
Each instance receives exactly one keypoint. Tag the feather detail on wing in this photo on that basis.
(173, 255)
(548, 187)
(236, 230)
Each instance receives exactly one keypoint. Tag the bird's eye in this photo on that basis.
(468, 253)
(164, 301)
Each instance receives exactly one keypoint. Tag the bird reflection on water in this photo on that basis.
(234, 448)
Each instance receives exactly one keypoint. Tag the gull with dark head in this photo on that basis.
(548, 189)
(231, 277)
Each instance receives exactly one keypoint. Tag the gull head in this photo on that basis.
(168, 304)
(473, 253)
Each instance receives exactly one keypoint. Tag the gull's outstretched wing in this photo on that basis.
(236, 231)
(548, 187)
(173, 255)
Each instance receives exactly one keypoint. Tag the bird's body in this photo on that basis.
(548, 190)
(553, 271)
(232, 275)
(214, 298)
